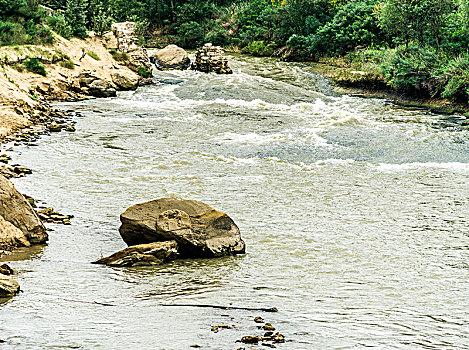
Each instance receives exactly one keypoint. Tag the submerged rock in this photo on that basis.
(200, 230)
(211, 58)
(171, 57)
(154, 253)
(8, 286)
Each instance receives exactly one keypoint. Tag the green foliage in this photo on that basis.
(353, 25)
(59, 24)
(144, 73)
(93, 55)
(67, 64)
(411, 69)
(21, 23)
(456, 79)
(100, 16)
(33, 65)
(75, 13)
(191, 34)
(415, 20)
(119, 56)
(260, 48)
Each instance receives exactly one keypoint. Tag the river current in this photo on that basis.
(355, 214)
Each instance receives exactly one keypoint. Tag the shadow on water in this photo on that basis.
(25, 253)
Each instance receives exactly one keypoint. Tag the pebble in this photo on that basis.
(250, 339)
(269, 327)
(258, 319)
(55, 127)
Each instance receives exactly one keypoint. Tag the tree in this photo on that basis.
(415, 20)
(76, 16)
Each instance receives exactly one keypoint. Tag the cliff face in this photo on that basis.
(66, 62)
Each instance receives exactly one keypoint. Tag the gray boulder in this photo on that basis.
(199, 230)
(154, 253)
(171, 57)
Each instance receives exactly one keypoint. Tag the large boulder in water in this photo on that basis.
(125, 80)
(199, 229)
(171, 57)
(19, 224)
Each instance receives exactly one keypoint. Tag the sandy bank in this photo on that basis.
(22, 93)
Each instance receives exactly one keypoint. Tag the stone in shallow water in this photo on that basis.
(155, 253)
(171, 57)
(200, 230)
(8, 286)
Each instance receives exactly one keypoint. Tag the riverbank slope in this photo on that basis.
(70, 66)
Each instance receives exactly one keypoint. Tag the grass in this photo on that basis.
(119, 56)
(67, 64)
(93, 55)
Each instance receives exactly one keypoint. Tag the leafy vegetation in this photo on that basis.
(93, 55)
(33, 65)
(418, 47)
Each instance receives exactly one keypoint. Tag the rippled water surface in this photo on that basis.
(355, 214)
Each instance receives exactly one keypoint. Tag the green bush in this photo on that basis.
(353, 25)
(119, 56)
(144, 73)
(67, 64)
(260, 48)
(191, 35)
(411, 69)
(33, 65)
(59, 24)
(93, 55)
(456, 79)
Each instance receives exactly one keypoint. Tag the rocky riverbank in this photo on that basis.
(30, 77)
(71, 69)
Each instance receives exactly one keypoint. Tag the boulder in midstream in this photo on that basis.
(171, 57)
(199, 229)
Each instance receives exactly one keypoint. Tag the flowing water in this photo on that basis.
(355, 214)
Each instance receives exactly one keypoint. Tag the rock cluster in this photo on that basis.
(19, 224)
(125, 33)
(182, 228)
(8, 286)
(171, 57)
(211, 58)
(268, 339)
(52, 216)
(124, 39)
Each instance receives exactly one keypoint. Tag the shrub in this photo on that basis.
(118, 55)
(59, 24)
(260, 48)
(33, 65)
(411, 69)
(353, 25)
(456, 79)
(67, 64)
(144, 73)
(93, 55)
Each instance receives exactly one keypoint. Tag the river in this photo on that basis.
(355, 214)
